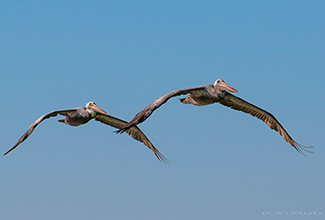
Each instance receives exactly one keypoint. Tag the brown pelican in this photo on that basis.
(217, 93)
(82, 115)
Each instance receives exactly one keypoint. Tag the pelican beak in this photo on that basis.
(97, 109)
(227, 87)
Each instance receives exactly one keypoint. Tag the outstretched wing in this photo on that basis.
(37, 122)
(239, 104)
(134, 132)
(147, 111)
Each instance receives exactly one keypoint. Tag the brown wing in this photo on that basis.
(148, 110)
(241, 105)
(134, 132)
(37, 122)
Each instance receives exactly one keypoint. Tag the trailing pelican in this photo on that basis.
(217, 93)
(82, 115)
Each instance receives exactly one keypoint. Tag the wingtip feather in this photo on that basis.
(300, 148)
(162, 158)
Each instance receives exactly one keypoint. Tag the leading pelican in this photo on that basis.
(81, 115)
(216, 93)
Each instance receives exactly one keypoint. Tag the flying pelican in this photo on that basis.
(217, 93)
(81, 115)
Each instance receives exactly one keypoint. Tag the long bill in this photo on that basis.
(227, 87)
(97, 109)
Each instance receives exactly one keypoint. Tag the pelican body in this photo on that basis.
(216, 93)
(82, 115)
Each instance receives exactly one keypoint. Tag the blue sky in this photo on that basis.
(125, 54)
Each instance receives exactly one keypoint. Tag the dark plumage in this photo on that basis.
(217, 93)
(82, 115)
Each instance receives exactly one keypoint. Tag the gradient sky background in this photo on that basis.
(125, 54)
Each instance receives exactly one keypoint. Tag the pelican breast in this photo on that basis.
(79, 117)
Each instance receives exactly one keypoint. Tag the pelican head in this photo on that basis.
(94, 107)
(221, 86)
